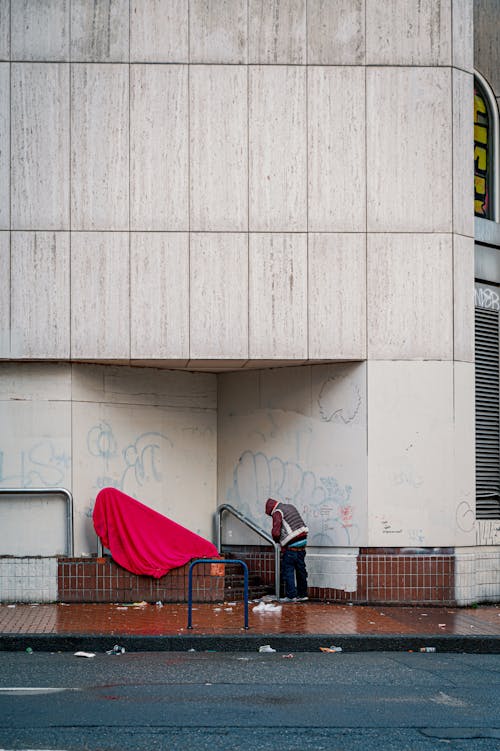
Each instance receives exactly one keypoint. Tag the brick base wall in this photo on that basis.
(102, 580)
(384, 575)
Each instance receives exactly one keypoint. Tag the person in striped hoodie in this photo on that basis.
(290, 531)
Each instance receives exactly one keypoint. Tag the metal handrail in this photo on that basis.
(50, 491)
(249, 523)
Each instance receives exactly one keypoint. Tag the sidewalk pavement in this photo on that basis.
(306, 626)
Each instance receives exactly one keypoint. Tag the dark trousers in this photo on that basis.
(293, 564)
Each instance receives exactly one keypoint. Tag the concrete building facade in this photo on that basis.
(237, 244)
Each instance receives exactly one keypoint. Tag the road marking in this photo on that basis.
(25, 690)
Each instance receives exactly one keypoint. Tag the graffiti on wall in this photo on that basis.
(136, 464)
(42, 464)
(481, 155)
(324, 502)
(486, 298)
(339, 400)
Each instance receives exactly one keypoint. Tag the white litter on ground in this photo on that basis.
(267, 607)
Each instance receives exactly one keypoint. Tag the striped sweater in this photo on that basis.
(289, 528)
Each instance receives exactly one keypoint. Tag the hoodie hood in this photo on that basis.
(270, 506)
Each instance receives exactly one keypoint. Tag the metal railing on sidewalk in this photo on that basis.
(48, 491)
(226, 507)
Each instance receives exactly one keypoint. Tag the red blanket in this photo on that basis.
(142, 540)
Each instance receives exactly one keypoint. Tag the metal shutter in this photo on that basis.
(487, 415)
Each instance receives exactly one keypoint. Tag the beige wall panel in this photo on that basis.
(463, 153)
(464, 472)
(278, 296)
(159, 147)
(218, 148)
(218, 31)
(120, 384)
(336, 153)
(409, 297)
(40, 146)
(35, 382)
(486, 47)
(159, 31)
(100, 30)
(337, 296)
(277, 31)
(463, 34)
(403, 32)
(5, 294)
(287, 389)
(159, 295)
(40, 30)
(219, 296)
(278, 149)
(100, 295)
(4, 29)
(4, 146)
(40, 301)
(298, 434)
(463, 294)
(411, 494)
(336, 32)
(159, 456)
(409, 170)
(35, 444)
(100, 147)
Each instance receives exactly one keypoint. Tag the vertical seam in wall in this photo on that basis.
(452, 124)
(248, 179)
(70, 233)
(10, 180)
(308, 348)
(129, 198)
(366, 262)
(70, 178)
(189, 177)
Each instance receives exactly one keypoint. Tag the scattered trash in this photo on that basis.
(442, 625)
(287, 657)
(142, 604)
(331, 649)
(191, 650)
(266, 648)
(231, 603)
(159, 604)
(29, 651)
(11, 606)
(84, 654)
(228, 610)
(267, 607)
(122, 607)
(427, 649)
(217, 610)
(117, 650)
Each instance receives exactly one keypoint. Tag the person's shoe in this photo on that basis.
(288, 599)
(302, 599)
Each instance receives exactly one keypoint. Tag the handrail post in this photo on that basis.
(249, 523)
(51, 491)
(224, 563)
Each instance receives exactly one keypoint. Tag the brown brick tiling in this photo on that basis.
(102, 580)
(389, 576)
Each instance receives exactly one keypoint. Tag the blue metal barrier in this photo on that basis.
(224, 563)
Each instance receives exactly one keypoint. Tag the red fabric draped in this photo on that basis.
(140, 539)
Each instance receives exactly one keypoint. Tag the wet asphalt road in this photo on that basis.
(231, 701)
